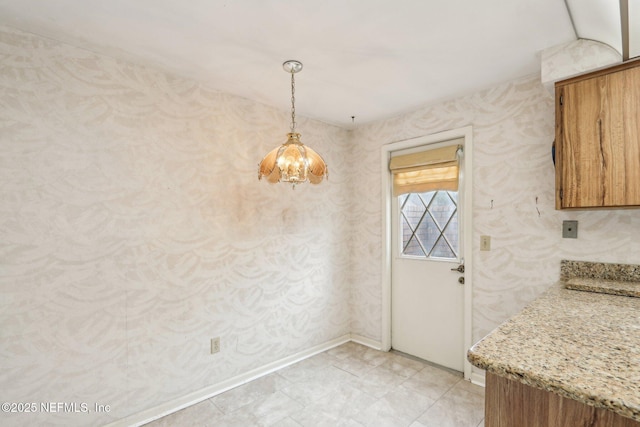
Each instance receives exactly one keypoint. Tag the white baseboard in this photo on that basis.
(376, 345)
(477, 377)
(175, 405)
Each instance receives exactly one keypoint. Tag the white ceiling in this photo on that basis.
(370, 59)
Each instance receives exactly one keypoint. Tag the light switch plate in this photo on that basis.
(215, 345)
(570, 229)
(485, 243)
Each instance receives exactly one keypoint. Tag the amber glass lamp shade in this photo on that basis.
(294, 163)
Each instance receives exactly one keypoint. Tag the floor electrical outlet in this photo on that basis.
(215, 345)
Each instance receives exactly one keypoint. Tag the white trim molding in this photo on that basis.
(466, 133)
(478, 377)
(376, 345)
(198, 396)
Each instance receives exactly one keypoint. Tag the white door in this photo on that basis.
(427, 298)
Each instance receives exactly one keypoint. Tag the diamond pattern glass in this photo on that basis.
(427, 232)
(441, 208)
(429, 224)
(413, 210)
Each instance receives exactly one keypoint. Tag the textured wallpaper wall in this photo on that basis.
(134, 229)
(513, 128)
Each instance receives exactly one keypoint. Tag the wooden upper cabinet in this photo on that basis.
(598, 139)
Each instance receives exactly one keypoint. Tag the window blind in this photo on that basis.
(430, 170)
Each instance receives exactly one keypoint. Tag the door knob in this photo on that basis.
(459, 269)
(461, 280)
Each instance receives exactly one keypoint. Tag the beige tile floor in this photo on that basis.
(350, 385)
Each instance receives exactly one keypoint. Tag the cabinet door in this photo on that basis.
(599, 134)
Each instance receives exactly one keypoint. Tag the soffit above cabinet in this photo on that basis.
(601, 20)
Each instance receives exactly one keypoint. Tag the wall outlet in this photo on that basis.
(215, 345)
(485, 243)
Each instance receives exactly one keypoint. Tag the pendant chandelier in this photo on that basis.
(293, 162)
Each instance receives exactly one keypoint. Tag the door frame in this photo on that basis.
(467, 229)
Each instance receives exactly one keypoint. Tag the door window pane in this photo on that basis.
(429, 224)
(413, 209)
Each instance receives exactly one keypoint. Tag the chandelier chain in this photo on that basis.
(293, 103)
(293, 162)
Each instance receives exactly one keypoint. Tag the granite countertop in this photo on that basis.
(581, 345)
(613, 287)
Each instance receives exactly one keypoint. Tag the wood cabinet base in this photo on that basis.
(510, 403)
